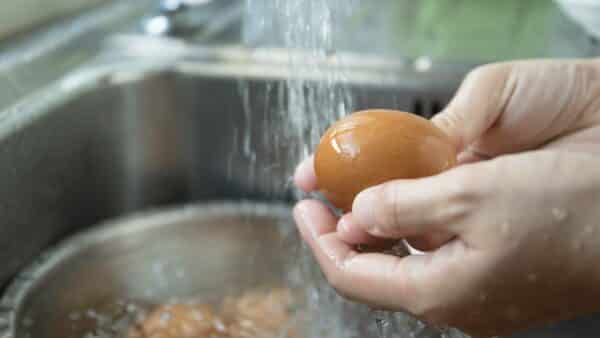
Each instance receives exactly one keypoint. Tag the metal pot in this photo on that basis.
(206, 251)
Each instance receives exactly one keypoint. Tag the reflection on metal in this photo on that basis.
(42, 57)
(185, 17)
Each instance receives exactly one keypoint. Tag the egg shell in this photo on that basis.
(180, 321)
(371, 147)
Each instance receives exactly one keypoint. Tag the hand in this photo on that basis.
(513, 233)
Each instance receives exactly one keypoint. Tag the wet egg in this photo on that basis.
(371, 147)
(178, 321)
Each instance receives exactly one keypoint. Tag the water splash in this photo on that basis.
(382, 320)
(295, 113)
(298, 109)
(303, 108)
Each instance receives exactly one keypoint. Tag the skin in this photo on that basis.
(512, 235)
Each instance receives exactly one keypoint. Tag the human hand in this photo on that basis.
(515, 226)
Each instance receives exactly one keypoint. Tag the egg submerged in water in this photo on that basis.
(371, 147)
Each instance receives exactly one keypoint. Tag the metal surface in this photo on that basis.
(41, 57)
(19, 16)
(197, 17)
(206, 251)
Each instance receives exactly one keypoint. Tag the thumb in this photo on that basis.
(478, 103)
(412, 208)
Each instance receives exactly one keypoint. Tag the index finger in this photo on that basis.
(384, 281)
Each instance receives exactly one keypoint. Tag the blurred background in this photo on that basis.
(453, 31)
(443, 30)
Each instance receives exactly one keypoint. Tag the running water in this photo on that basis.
(303, 111)
(312, 32)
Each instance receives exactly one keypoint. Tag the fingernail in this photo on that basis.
(363, 205)
(349, 232)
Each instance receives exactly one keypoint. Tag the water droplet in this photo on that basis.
(505, 229)
(532, 278)
(559, 214)
(219, 325)
(164, 318)
(131, 308)
(423, 64)
(382, 321)
(483, 297)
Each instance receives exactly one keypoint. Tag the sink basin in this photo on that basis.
(129, 133)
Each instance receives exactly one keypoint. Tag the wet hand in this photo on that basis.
(512, 233)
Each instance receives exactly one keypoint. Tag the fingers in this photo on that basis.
(352, 233)
(471, 156)
(413, 208)
(365, 277)
(477, 105)
(305, 177)
(585, 141)
(517, 106)
(413, 283)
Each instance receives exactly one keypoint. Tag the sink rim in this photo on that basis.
(237, 59)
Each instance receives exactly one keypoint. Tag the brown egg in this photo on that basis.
(371, 147)
(181, 321)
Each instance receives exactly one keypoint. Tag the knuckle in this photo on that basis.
(388, 213)
(466, 185)
(449, 120)
(458, 200)
(491, 70)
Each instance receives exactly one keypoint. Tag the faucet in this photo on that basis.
(179, 17)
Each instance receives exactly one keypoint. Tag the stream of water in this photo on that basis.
(298, 111)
